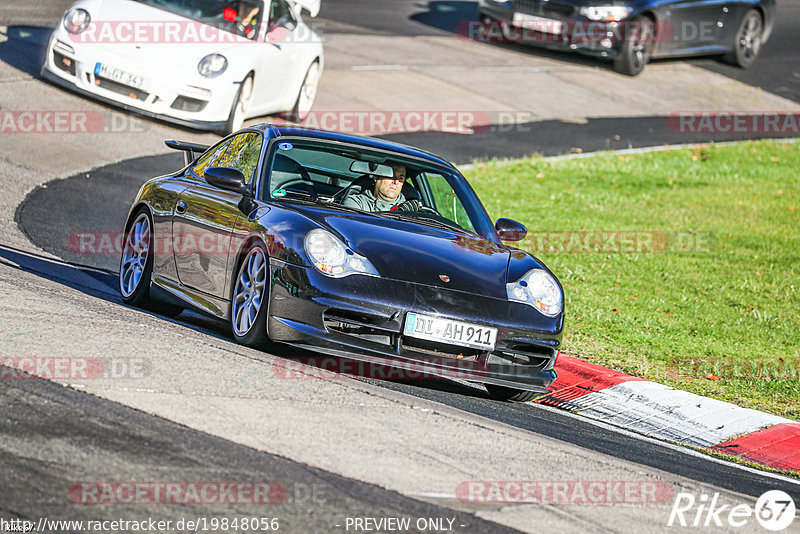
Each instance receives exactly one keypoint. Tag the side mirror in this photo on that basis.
(510, 230)
(227, 178)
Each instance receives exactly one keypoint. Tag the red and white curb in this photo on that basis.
(673, 415)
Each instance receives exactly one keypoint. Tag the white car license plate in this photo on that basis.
(539, 24)
(450, 332)
(120, 76)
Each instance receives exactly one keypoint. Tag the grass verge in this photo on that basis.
(680, 266)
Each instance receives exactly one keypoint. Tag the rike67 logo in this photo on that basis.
(774, 510)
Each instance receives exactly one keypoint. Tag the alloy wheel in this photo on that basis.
(249, 293)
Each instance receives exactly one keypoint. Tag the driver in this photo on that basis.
(248, 20)
(386, 195)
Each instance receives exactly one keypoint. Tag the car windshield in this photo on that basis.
(240, 17)
(345, 177)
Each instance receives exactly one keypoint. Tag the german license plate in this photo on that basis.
(120, 76)
(450, 332)
(539, 24)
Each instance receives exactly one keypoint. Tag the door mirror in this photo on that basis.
(227, 178)
(510, 230)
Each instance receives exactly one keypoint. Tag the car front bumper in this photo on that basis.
(196, 103)
(573, 33)
(362, 318)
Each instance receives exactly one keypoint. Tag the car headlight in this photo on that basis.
(76, 20)
(539, 289)
(606, 13)
(332, 258)
(212, 65)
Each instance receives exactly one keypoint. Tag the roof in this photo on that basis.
(370, 142)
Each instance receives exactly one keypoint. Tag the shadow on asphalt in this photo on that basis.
(25, 48)
(307, 364)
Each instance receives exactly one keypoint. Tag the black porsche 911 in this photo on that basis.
(258, 231)
(631, 32)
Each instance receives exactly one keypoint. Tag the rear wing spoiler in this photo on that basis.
(190, 150)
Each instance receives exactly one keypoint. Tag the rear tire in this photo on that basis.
(747, 43)
(136, 266)
(249, 298)
(636, 47)
(503, 393)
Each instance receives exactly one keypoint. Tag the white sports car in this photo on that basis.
(206, 64)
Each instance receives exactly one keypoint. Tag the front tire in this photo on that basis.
(307, 95)
(747, 42)
(503, 393)
(636, 47)
(249, 298)
(240, 106)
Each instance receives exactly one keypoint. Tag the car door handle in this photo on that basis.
(181, 207)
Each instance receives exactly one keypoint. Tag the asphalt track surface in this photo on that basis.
(110, 190)
(129, 439)
(93, 438)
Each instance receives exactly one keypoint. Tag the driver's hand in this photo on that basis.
(410, 205)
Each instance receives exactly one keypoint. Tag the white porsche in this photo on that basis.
(205, 64)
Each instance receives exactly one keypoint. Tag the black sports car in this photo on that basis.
(256, 231)
(630, 32)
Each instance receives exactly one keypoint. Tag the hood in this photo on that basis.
(421, 254)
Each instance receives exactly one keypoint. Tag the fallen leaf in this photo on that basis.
(758, 273)
(711, 376)
(634, 298)
(791, 208)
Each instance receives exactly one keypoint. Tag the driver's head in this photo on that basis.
(388, 189)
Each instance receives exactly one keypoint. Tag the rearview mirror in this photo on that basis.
(510, 230)
(226, 178)
(369, 167)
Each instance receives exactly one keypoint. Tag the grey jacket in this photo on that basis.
(366, 201)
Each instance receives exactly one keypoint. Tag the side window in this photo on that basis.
(279, 13)
(447, 202)
(210, 158)
(242, 153)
